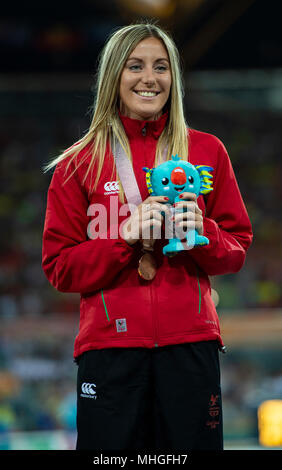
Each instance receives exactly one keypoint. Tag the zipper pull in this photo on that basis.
(144, 131)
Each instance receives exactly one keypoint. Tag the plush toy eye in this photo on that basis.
(190, 179)
(165, 181)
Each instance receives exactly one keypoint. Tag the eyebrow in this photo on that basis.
(141, 60)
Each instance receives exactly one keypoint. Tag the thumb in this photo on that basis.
(148, 243)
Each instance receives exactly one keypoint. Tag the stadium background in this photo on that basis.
(232, 58)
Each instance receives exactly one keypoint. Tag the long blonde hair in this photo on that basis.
(106, 123)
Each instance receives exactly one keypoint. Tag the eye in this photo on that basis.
(135, 67)
(161, 68)
(190, 179)
(165, 181)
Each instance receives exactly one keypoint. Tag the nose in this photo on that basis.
(178, 176)
(148, 76)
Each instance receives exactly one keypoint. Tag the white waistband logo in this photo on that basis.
(87, 390)
(111, 187)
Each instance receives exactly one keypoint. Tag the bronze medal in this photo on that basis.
(147, 267)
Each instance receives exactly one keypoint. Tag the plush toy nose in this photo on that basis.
(178, 176)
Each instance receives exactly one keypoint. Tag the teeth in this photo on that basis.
(146, 93)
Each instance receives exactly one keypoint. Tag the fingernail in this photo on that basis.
(166, 198)
(181, 196)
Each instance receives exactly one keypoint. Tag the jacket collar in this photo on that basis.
(135, 127)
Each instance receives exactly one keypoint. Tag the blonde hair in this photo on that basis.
(106, 123)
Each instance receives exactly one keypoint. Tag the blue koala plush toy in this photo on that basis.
(172, 178)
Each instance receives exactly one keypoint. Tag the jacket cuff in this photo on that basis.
(113, 233)
(211, 231)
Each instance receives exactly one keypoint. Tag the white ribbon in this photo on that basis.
(126, 174)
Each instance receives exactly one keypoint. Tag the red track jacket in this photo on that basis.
(117, 307)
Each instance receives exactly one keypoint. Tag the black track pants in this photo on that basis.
(167, 398)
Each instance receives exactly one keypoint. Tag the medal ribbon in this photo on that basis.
(126, 174)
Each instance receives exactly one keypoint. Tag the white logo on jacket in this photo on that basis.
(87, 390)
(111, 187)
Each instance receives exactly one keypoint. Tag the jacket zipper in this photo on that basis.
(155, 334)
(155, 329)
(199, 289)
(104, 303)
(198, 280)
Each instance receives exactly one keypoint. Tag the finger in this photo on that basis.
(188, 196)
(188, 206)
(153, 214)
(187, 216)
(190, 225)
(159, 207)
(131, 229)
(156, 207)
(151, 228)
(152, 199)
(151, 222)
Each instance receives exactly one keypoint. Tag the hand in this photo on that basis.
(146, 221)
(190, 216)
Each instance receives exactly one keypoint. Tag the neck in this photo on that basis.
(127, 113)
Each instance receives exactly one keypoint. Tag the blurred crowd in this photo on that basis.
(55, 40)
(253, 140)
(37, 376)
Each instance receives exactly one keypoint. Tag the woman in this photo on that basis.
(147, 351)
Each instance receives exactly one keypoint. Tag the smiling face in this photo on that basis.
(145, 81)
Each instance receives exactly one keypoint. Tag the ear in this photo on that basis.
(205, 178)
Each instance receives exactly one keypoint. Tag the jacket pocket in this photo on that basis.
(207, 313)
(96, 321)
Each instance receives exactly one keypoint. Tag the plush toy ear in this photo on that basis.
(149, 172)
(205, 177)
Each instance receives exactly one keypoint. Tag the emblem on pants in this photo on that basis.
(214, 411)
(88, 391)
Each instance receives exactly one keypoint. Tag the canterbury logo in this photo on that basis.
(111, 187)
(88, 391)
